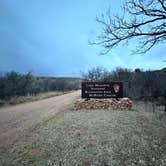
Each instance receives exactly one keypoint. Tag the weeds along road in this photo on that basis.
(15, 119)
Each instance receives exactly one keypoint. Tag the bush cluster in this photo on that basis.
(16, 84)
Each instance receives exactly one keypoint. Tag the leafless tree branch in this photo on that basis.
(144, 20)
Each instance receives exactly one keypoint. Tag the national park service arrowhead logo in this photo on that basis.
(116, 88)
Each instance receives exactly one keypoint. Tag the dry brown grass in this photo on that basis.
(23, 99)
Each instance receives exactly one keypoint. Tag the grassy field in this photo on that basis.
(93, 138)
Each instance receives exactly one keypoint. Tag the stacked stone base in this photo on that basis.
(121, 104)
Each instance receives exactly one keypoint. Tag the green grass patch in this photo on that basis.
(93, 138)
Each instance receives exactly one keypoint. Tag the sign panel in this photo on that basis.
(102, 90)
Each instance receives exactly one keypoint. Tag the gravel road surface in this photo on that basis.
(16, 119)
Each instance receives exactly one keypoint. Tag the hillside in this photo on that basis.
(70, 80)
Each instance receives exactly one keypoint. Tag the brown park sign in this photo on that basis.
(102, 90)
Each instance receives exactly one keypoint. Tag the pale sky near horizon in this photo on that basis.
(50, 38)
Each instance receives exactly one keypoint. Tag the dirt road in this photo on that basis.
(15, 119)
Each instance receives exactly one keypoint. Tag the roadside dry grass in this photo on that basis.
(23, 99)
(93, 138)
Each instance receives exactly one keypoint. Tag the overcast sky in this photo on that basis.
(50, 38)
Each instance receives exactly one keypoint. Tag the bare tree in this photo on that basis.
(144, 20)
(96, 74)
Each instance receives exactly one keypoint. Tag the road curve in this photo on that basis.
(15, 119)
